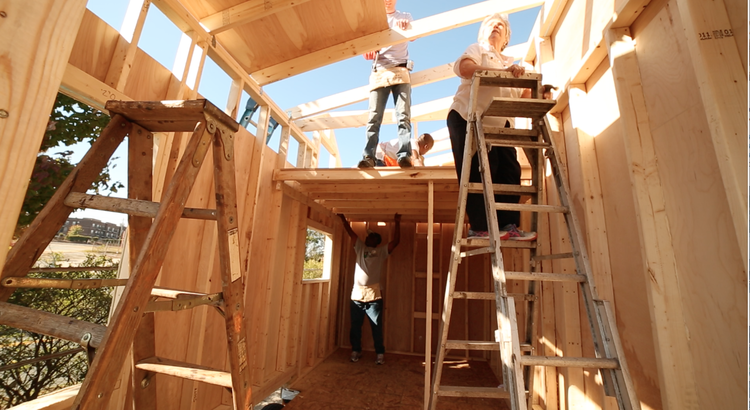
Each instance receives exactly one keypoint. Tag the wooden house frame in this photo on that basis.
(652, 116)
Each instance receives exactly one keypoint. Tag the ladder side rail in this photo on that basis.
(452, 268)
(96, 389)
(463, 190)
(39, 234)
(143, 384)
(230, 265)
(537, 158)
(588, 288)
(502, 308)
(626, 399)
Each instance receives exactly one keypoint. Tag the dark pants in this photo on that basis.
(504, 168)
(373, 310)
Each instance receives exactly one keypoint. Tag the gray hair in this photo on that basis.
(485, 30)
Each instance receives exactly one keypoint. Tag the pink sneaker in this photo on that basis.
(516, 234)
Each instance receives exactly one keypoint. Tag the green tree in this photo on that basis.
(75, 230)
(22, 376)
(69, 123)
(314, 253)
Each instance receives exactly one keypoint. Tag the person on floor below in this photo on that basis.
(486, 54)
(367, 297)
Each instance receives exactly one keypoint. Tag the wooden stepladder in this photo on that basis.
(516, 356)
(149, 242)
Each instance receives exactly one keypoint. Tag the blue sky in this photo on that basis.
(426, 52)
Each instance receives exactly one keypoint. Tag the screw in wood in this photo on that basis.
(3, 14)
(4, 114)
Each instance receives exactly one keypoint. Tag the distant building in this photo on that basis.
(93, 227)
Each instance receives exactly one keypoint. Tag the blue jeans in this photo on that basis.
(373, 310)
(402, 101)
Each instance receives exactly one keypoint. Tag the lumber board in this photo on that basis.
(38, 43)
(359, 94)
(134, 207)
(187, 371)
(675, 364)
(171, 116)
(50, 324)
(125, 51)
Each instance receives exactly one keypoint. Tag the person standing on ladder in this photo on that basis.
(493, 37)
(367, 297)
(390, 75)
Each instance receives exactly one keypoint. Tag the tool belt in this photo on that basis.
(385, 77)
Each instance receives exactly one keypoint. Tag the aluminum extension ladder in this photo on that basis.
(517, 358)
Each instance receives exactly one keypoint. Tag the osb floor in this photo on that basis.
(338, 384)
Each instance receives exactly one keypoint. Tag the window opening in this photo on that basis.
(318, 250)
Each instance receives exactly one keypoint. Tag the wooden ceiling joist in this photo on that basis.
(419, 28)
(246, 12)
(358, 94)
(429, 111)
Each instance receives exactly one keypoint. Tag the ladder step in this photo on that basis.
(480, 345)
(505, 189)
(54, 283)
(185, 302)
(135, 207)
(518, 107)
(504, 142)
(501, 206)
(556, 361)
(170, 116)
(504, 79)
(464, 391)
(503, 244)
(186, 371)
(490, 296)
(50, 324)
(510, 133)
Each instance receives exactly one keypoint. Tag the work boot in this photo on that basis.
(367, 162)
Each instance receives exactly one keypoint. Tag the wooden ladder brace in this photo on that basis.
(537, 143)
(149, 242)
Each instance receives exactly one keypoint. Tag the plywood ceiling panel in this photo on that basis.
(300, 30)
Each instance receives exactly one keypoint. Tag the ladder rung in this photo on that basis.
(556, 361)
(546, 277)
(503, 142)
(490, 296)
(503, 244)
(552, 256)
(471, 345)
(186, 371)
(505, 189)
(185, 302)
(479, 251)
(134, 207)
(464, 391)
(530, 207)
(50, 324)
(490, 132)
(518, 107)
(54, 283)
(173, 293)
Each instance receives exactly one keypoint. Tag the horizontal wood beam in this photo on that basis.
(349, 175)
(186, 371)
(429, 111)
(359, 94)
(50, 324)
(135, 207)
(246, 12)
(418, 28)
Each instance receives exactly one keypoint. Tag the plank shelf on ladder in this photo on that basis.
(516, 355)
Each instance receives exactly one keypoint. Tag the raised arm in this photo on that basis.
(348, 228)
(397, 236)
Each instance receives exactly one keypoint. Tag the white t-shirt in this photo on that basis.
(398, 53)
(390, 148)
(485, 55)
(367, 271)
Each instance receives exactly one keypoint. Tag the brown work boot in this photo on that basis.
(367, 162)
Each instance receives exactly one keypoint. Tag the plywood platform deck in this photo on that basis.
(338, 384)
